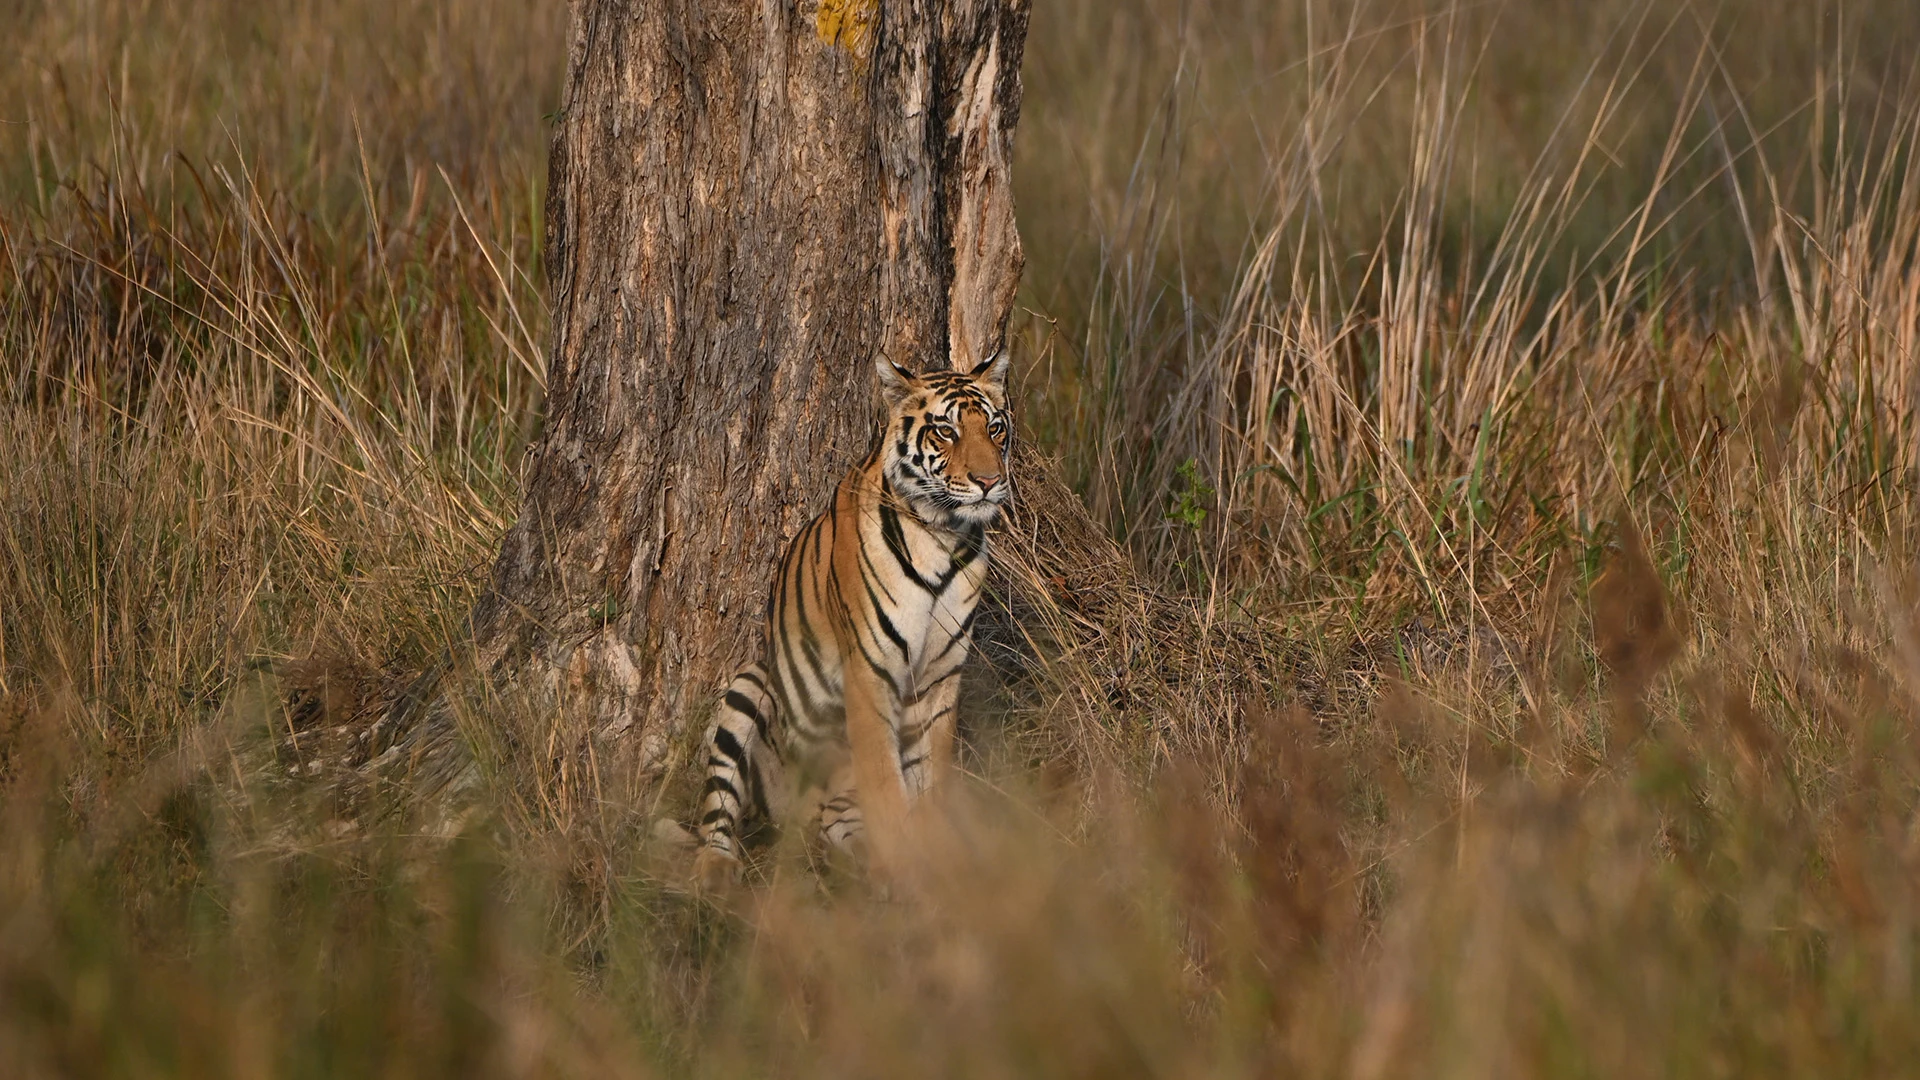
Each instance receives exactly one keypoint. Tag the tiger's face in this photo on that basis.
(946, 441)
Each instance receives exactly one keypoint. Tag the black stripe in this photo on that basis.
(744, 705)
(922, 691)
(781, 647)
(825, 577)
(951, 672)
(792, 687)
(874, 666)
(809, 730)
(720, 784)
(871, 574)
(804, 716)
(795, 700)
(966, 627)
(820, 527)
(809, 641)
(886, 627)
(777, 597)
(810, 649)
(763, 719)
(910, 735)
(897, 543)
(725, 742)
(971, 542)
(797, 582)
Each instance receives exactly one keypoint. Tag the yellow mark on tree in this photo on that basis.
(848, 24)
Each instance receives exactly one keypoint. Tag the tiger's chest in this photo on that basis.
(931, 584)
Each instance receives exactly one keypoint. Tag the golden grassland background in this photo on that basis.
(1510, 406)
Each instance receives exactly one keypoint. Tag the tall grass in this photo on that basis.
(1502, 657)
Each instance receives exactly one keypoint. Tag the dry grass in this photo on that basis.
(1504, 661)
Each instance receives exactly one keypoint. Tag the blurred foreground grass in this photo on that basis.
(1516, 401)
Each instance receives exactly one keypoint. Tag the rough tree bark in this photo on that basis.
(749, 200)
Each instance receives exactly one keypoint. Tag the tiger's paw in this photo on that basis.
(670, 835)
(715, 872)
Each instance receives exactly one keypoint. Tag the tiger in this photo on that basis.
(848, 717)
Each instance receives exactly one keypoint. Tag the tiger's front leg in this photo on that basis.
(927, 734)
(873, 709)
(932, 708)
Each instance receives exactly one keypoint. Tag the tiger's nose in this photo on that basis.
(986, 482)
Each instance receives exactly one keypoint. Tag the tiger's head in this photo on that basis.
(944, 449)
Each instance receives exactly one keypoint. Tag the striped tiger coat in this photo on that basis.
(849, 716)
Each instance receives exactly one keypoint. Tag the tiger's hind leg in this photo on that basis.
(843, 828)
(837, 848)
(743, 770)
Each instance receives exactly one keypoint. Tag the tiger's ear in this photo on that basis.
(896, 382)
(993, 370)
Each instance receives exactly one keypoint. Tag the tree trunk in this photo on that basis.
(748, 201)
